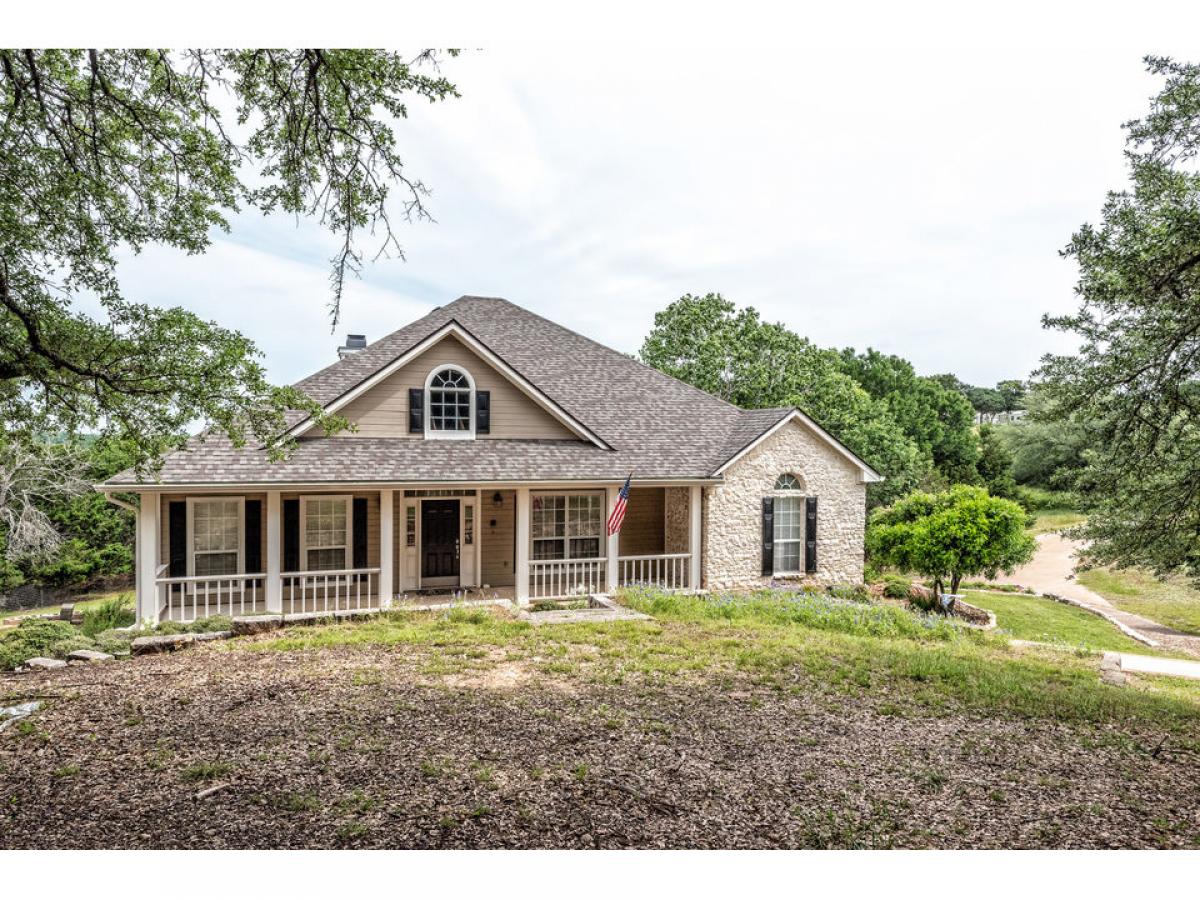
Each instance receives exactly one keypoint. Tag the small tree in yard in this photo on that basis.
(944, 537)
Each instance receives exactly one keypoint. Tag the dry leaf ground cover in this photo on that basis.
(760, 723)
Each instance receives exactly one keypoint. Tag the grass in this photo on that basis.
(792, 642)
(1056, 520)
(1174, 602)
(84, 603)
(1041, 619)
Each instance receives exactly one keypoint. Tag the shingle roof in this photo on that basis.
(658, 427)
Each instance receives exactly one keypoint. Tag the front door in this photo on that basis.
(439, 543)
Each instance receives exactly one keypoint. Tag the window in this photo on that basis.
(215, 535)
(469, 524)
(567, 526)
(789, 532)
(451, 394)
(327, 533)
(410, 526)
(788, 482)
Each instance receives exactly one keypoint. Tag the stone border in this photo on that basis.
(1121, 626)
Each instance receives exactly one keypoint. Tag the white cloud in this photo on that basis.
(911, 200)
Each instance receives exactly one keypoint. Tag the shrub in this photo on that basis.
(114, 643)
(896, 586)
(115, 612)
(211, 623)
(60, 649)
(33, 637)
(855, 593)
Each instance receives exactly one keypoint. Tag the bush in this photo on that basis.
(60, 649)
(1036, 499)
(855, 593)
(896, 586)
(33, 637)
(114, 643)
(925, 602)
(115, 612)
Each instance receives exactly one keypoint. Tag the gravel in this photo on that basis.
(361, 747)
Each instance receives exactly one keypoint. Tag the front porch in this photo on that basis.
(203, 554)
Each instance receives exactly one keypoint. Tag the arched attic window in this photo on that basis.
(788, 482)
(450, 406)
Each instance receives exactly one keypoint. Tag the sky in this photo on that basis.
(911, 200)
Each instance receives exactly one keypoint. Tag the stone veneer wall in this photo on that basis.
(676, 525)
(733, 510)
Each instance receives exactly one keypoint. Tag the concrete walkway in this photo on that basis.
(1052, 571)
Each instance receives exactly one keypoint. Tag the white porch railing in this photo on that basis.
(191, 597)
(668, 571)
(339, 590)
(551, 579)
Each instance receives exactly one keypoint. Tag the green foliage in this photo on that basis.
(947, 536)
(101, 149)
(1136, 377)
(995, 464)
(903, 425)
(115, 612)
(807, 609)
(33, 637)
(897, 587)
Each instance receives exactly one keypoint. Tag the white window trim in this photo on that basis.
(432, 435)
(775, 541)
(566, 539)
(191, 531)
(304, 548)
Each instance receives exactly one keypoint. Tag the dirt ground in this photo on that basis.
(361, 747)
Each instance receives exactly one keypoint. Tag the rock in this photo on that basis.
(41, 662)
(161, 643)
(206, 636)
(256, 624)
(67, 612)
(88, 655)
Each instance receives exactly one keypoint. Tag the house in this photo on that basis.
(489, 446)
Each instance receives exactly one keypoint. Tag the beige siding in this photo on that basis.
(383, 410)
(645, 518)
(498, 547)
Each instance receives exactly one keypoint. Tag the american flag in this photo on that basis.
(617, 516)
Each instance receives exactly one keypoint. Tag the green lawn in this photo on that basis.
(909, 662)
(1174, 603)
(1056, 520)
(1040, 619)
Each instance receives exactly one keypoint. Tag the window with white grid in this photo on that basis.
(326, 533)
(567, 526)
(216, 527)
(789, 534)
(450, 393)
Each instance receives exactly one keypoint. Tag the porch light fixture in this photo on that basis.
(497, 500)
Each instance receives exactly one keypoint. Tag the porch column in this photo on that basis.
(274, 582)
(387, 544)
(146, 558)
(695, 530)
(522, 561)
(614, 543)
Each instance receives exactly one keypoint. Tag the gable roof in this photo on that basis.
(453, 328)
(630, 417)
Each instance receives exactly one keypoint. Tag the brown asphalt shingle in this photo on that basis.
(657, 426)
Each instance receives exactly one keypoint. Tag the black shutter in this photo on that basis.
(768, 535)
(810, 535)
(253, 537)
(360, 534)
(483, 412)
(416, 410)
(176, 537)
(291, 535)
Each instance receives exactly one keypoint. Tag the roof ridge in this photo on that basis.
(605, 347)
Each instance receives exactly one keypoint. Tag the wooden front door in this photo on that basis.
(439, 542)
